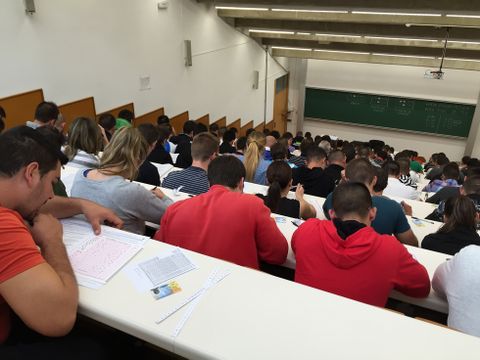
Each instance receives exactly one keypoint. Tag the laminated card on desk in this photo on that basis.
(95, 259)
(159, 269)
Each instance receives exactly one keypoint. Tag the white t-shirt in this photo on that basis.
(398, 189)
(458, 281)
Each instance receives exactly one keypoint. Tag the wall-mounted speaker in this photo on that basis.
(188, 53)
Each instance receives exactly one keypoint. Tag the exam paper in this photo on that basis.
(95, 259)
(159, 269)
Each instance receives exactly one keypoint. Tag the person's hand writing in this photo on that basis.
(299, 192)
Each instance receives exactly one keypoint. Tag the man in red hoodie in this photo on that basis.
(345, 256)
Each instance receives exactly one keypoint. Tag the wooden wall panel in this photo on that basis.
(116, 110)
(236, 124)
(260, 127)
(221, 122)
(21, 107)
(150, 117)
(205, 120)
(244, 128)
(178, 121)
(270, 126)
(72, 110)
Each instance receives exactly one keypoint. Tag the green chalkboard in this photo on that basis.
(432, 117)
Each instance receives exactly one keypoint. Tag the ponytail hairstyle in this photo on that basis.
(255, 147)
(279, 175)
(459, 212)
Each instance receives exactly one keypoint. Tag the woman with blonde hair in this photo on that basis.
(107, 185)
(255, 164)
(84, 143)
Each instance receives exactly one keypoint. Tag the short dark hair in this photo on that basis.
(53, 135)
(360, 170)
(23, 145)
(241, 143)
(213, 127)
(189, 126)
(249, 131)
(451, 171)
(349, 151)
(163, 120)
(126, 114)
(226, 170)
(308, 134)
(287, 135)
(442, 159)
(305, 144)
(204, 145)
(46, 111)
(200, 128)
(149, 132)
(465, 159)
(336, 155)
(278, 151)
(392, 168)
(229, 135)
(364, 152)
(472, 185)
(404, 164)
(315, 153)
(351, 198)
(164, 132)
(275, 134)
(106, 121)
(382, 179)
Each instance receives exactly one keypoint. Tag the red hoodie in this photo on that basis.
(365, 266)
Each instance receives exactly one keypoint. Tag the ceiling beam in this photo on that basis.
(327, 39)
(388, 60)
(457, 6)
(351, 18)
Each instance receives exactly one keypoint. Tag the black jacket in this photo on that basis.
(315, 181)
(452, 242)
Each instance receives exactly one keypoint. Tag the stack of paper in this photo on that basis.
(95, 259)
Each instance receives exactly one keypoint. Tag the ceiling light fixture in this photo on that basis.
(406, 56)
(240, 8)
(314, 11)
(393, 13)
(343, 52)
(290, 48)
(398, 38)
(271, 31)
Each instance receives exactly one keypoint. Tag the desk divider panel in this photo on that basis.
(236, 124)
(21, 107)
(72, 110)
(178, 121)
(205, 120)
(244, 128)
(116, 110)
(260, 127)
(270, 126)
(150, 117)
(221, 122)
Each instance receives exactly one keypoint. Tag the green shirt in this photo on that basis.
(119, 123)
(415, 166)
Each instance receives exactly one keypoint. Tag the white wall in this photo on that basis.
(458, 86)
(78, 48)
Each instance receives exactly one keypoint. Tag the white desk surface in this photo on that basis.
(429, 259)
(252, 315)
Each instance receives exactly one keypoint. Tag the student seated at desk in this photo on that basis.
(183, 143)
(347, 257)
(148, 173)
(390, 217)
(337, 161)
(301, 160)
(84, 143)
(279, 176)
(160, 154)
(395, 187)
(449, 178)
(312, 176)
(227, 143)
(107, 122)
(193, 179)
(107, 185)
(224, 223)
(459, 230)
(255, 165)
(37, 282)
(458, 282)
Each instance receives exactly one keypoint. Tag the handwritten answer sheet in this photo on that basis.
(159, 269)
(95, 259)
